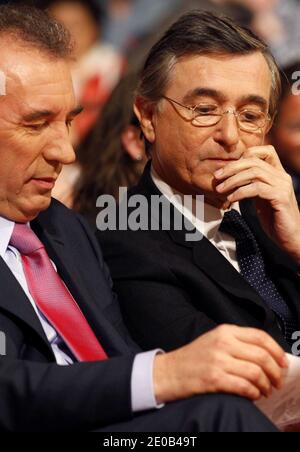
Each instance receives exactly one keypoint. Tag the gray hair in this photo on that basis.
(34, 27)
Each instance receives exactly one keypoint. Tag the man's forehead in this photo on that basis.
(23, 64)
(231, 72)
(28, 89)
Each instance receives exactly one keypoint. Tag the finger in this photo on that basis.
(261, 339)
(267, 153)
(260, 358)
(238, 166)
(252, 373)
(252, 190)
(232, 384)
(245, 178)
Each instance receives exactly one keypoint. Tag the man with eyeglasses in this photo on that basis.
(206, 99)
(207, 115)
(67, 362)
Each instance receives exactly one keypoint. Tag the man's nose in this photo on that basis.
(227, 132)
(60, 149)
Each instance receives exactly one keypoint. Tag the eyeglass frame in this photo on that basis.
(229, 111)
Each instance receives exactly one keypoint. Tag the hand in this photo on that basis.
(229, 359)
(260, 175)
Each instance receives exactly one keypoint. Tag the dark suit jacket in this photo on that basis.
(37, 394)
(171, 291)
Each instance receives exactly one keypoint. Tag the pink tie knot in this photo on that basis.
(24, 239)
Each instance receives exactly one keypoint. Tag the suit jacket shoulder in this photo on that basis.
(36, 393)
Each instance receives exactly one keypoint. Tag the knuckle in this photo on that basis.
(255, 172)
(244, 388)
(223, 336)
(222, 330)
(220, 343)
(242, 191)
(271, 149)
(256, 186)
(255, 374)
(259, 337)
(257, 162)
(277, 374)
(213, 358)
(215, 378)
(262, 357)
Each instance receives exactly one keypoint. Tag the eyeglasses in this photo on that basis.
(206, 115)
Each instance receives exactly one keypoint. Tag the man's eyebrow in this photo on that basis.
(76, 111)
(44, 114)
(255, 99)
(218, 96)
(37, 114)
(209, 92)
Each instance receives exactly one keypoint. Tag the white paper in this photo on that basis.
(283, 407)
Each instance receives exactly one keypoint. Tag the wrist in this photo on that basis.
(163, 381)
(292, 249)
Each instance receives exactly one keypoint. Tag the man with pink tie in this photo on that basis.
(69, 363)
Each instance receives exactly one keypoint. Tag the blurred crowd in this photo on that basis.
(111, 40)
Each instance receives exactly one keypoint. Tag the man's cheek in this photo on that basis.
(202, 173)
(15, 179)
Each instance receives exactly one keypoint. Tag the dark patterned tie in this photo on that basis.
(253, 269)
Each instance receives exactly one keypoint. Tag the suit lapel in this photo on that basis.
(216, 267)
(14, 300)
(71, 273)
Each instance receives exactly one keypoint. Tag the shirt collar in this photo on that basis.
(6, 230)
(209, 225)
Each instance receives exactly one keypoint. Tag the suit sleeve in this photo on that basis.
(47, 397)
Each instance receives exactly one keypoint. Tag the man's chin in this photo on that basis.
(30, 210)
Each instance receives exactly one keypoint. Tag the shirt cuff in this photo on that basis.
(142, 385)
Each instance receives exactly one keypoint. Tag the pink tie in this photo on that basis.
(53, 298)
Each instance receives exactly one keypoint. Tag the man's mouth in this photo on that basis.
(46, 183)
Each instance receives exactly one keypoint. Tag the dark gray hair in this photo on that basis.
(34, 27)
(201, 32)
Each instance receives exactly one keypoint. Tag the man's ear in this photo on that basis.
(133, 143)
(144, 111)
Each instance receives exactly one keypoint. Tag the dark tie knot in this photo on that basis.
(24, 239)
(234, 224)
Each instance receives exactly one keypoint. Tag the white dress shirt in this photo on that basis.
(207, 226)
(142, 390)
